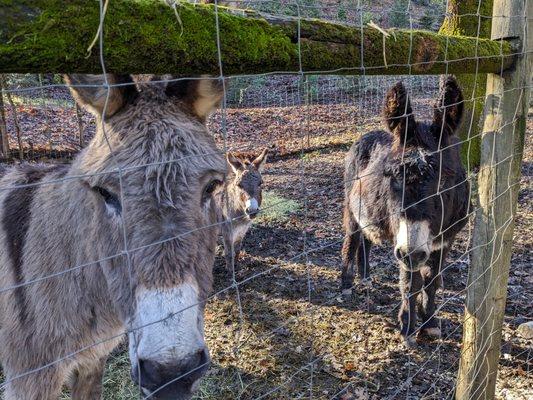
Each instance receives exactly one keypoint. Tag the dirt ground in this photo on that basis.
(294, 335)
(281, 329)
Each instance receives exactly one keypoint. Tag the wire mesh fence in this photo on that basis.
(113, 252)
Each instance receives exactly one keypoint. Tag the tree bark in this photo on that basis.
(470, 18)
(80, 125)
(145, 36)
(3, 83)
(4, 137)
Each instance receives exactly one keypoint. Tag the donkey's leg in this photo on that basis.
(237, 247)
(349, 253)
(42, 384)
(227, 243)
(410, 287)
(363, 253)
(87, 381)
(229, 251)
(426, 302)
(352, 239)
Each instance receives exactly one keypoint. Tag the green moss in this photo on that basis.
(144, 36)
(463, 20)
(134, 28)
(470, 132)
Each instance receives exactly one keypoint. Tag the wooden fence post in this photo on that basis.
(499, 176)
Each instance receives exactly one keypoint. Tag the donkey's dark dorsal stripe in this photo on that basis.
(15, 221)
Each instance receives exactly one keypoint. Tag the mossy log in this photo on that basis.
(470, 18)
(146, 36)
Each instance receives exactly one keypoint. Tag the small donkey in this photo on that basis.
(407, 187)
(120, 242)
(240, 202)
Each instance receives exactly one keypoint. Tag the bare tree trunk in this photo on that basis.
(15, 118)
(462, 19)
(47, 125)
(80, 124)
(4, 137)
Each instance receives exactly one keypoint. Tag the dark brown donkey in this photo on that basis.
(240, 202)
(407, 186)
(121, 241)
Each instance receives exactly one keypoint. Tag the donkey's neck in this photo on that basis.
(230, 204)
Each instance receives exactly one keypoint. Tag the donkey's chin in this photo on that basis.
(252, 215)
(169, 392)
(161, 395)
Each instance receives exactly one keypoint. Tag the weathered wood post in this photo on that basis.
(501, 155)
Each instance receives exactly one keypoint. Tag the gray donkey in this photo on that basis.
(121, 241)
(240, 202)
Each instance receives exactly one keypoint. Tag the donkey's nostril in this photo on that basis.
(410, 259)
(147, 374)
(418, 257)
(171, 380)
(198, 364)
(252, 212)
(399, 254)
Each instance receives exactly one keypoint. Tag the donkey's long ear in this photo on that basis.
(91, 92)
(448, 109)
(234, 162)
(399, 114)
(260, 160)
(201, 96)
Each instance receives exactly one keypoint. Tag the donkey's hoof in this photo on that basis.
(409, 342)
(432, 332)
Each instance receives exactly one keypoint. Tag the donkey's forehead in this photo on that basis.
(250, 174)
(162, 146)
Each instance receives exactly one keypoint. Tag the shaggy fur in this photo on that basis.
(76, 220)
(243, 185)
(410, 176)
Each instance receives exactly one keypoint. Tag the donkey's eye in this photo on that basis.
(110, 199)
(210, 188)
